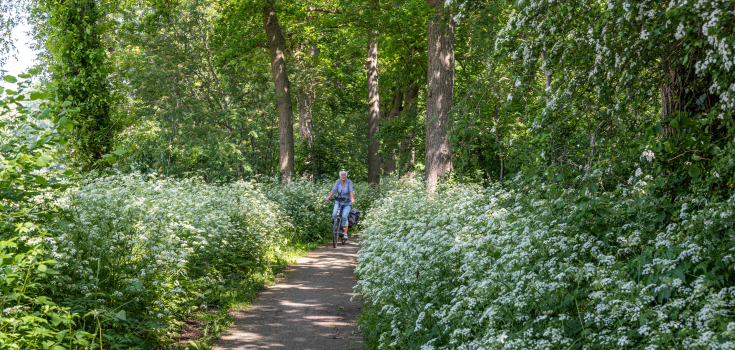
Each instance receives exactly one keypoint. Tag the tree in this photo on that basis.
(373, 107)
(79, 66)
(277, 45)
(440, 93)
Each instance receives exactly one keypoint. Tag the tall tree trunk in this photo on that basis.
(82, 75)
(499, 140)
(373, 108)
(440, 94)
(389, 159)
(409, 111)
(306, 128)
(277, 45)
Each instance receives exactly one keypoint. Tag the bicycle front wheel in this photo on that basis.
(335, 232)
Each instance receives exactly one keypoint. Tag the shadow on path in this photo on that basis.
(310, 309)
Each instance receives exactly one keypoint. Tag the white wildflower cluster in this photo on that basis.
(135, 237)
(497, 268)
(615, 48)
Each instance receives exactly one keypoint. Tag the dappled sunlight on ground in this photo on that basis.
(310, 309)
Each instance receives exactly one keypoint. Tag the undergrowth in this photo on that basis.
(532, 265)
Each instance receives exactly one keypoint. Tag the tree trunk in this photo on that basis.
(82, 74)
(409, 111)
(439, 95)
(373, 108)
(670, 96)
(306, 129)
(277, 45)
(389, 165)
(547, 76)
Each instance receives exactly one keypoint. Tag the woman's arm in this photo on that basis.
(352, 198)
(334, 189)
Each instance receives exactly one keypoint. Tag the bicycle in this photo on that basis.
(337, 231)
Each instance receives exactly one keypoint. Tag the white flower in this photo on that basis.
(679, 31)
(638, 172)
(649, 155)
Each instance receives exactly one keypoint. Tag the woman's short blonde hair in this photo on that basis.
(342, 172)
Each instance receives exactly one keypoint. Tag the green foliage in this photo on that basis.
(533, 265)
(304, 203)
(31, 140)
(145, 252)
(78, 62)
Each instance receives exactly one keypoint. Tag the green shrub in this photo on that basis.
(304, 202)
(145, 252)
(533, 266)
(30, 140)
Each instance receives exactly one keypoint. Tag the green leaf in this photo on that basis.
(45, 113)
(121, 315)
(660, 216)
(43, 160)
(66, 104)
(60, 335)
(658, 128)
(10, 79)
(41, 180)
(109, 157)
(119, 151)
(42, 268)
(695, 158)
(593, 188)
(36, 95)
(694, 171)
(674, 124)
(33, 71)
(24, 76)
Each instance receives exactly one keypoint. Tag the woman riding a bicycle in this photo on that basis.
(342, 187)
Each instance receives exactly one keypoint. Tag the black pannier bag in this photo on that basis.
(354, 217)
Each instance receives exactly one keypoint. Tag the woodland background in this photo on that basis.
(593, 136)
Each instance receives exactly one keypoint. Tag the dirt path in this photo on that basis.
(310, 309)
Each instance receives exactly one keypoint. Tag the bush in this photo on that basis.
(144, 252)
(304, 202)
(30, 145)
(533, 266)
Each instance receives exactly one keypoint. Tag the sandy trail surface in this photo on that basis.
(309, 309)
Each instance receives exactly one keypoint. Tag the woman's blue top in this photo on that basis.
(343, 192)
